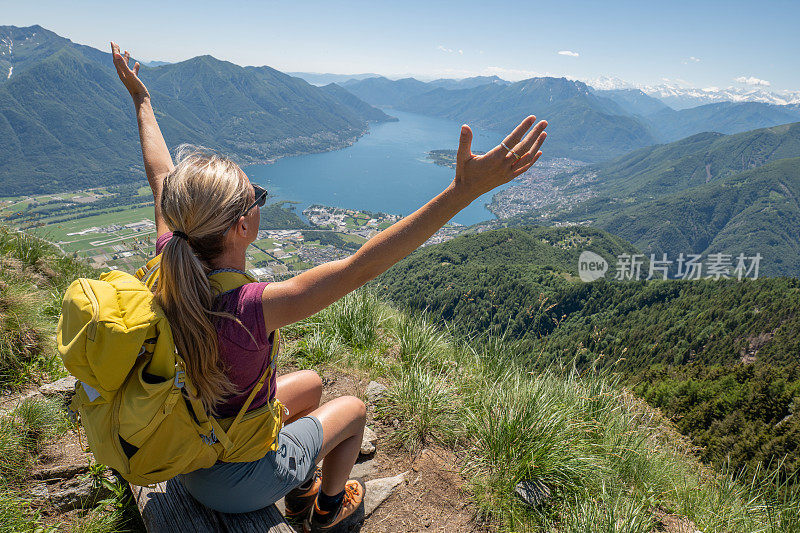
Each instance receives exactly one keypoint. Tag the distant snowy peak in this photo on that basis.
(609, 83)
(683, 97)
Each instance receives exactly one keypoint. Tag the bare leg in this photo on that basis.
(343, 422)
(300, 392)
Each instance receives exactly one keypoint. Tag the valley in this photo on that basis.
(81, 224)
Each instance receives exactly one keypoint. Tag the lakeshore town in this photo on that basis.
(125, 239)
(114, 229)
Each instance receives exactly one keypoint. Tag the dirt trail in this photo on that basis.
(432, 498)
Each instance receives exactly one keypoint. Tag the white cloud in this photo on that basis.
(569, 53)
(752, 81)
(691, 59)
(461, 52)
(443, 49)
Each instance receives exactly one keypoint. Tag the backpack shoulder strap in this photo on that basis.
(267, 373)
(223, 279)
(227, 279)
(148, 274)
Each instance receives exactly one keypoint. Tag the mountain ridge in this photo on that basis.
(65, 119)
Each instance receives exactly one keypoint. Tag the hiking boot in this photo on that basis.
(299, 502)
(349, 513)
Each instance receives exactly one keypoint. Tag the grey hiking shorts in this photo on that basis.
(245, 487)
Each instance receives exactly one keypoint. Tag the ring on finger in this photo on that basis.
(510, 151)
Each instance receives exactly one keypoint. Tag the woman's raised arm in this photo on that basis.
(157, 161)
(288, 301)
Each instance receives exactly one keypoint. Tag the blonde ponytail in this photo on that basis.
(202, 198)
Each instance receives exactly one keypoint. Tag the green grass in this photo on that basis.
(57, 230)
(425, 404)
(610, 462)
(16, 515)
(23, 434)
(22, 246)
(23, 342)
(24, 431)
(355, 319)
(346, 237)
(32, 284)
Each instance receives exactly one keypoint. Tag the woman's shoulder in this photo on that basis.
(162, 240)
(245, 303)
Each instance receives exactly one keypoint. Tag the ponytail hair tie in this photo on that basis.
(180, 234)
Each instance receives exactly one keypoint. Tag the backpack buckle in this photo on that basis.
(180, 378)
(209, 439)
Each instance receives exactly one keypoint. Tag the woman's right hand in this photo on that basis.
(479, 174)
(129, 76)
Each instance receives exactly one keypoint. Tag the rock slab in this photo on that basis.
(64, 387)
(368, 442)
(78, 493)
(364, 470)
(533, 492)
(61, 471)
(378, 490)
(375, 391)
(39, 491)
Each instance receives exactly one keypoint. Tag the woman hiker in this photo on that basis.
(207, 214)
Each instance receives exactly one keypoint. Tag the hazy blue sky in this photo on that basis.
(703, 43)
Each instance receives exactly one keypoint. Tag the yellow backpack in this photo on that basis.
(133, 396)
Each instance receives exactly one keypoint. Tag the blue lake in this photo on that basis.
(385, 170)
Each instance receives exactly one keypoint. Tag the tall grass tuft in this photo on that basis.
(22, 341)
(24, 246)
(41, 419)
(607, 511)
(527, 429)
(14, 451)
(425, 404)
(317, 348)
(355, 319)
(24, 431)
(420, 341)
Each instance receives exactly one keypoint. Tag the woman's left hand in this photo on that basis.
(129, 76)
(479, 174)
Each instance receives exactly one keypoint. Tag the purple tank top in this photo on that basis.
(245, 360)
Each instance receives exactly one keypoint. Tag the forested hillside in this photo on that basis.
(702, 158)
(67, 123)
(709, 193)
(756, 211)
(498, 282)
(722, 357)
